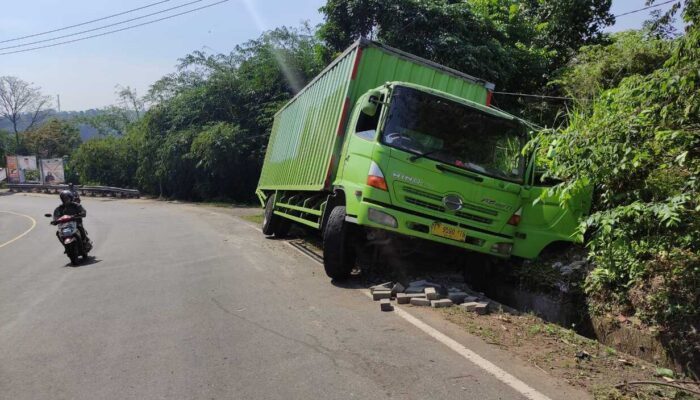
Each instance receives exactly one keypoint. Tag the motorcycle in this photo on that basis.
(69, 235)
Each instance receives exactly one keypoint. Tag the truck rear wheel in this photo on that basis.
(270, 220)
(338, 253)
(274, 224)
(283, 227)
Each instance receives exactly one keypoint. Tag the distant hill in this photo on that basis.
(86, 131)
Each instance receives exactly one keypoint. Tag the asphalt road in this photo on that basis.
(187, 302)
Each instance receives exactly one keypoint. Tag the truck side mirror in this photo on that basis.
(370, 105)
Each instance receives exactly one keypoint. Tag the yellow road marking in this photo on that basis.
(22, 235)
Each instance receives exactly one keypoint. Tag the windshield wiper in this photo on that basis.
(414, 157)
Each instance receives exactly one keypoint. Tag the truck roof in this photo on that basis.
(363, 43)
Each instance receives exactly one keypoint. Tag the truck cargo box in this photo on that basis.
(307, 133)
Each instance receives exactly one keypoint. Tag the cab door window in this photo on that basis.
(366, 127)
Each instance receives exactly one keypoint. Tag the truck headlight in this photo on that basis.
(382, 218)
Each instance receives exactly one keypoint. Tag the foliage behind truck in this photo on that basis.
(383, 141)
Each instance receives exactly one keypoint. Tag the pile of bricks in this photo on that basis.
(426, 294)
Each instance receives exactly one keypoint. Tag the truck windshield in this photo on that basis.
(447, 131)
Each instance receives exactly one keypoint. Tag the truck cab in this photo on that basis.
(423, 163)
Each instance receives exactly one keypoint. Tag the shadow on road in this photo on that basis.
(85, 263)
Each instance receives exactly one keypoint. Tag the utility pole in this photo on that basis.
(58, 102)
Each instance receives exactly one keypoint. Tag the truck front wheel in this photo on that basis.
(338, 252)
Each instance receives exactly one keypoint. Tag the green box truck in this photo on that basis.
(386, 143)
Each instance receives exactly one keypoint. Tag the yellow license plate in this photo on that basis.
(448, 231)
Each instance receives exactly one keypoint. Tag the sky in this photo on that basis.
(85, 73)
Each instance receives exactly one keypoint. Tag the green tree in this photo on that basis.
(512, 43)
(563, 26)
(220, 107)
(600, 67)
(105, 161)
(7, 146)
(461, 35)
(112, 120)
(52, 139)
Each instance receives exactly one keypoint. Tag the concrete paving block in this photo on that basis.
(457, 297)
(405, 298)
(398, 288)
(431, 293)
(419, 301)
(441, 303)
(470, 306)
(402, 298)
(482, 308)
(381, 294)
(414, 289)
(385, 305)
(383, 286)
(470, 299)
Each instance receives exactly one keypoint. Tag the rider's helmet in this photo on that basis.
(66, 196)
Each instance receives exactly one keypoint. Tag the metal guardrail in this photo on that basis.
(91, 191)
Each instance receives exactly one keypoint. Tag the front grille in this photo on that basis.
(438, 198)
(473, 217)
(424, 204)
(439, 208)
(480, 209)
(421, 193)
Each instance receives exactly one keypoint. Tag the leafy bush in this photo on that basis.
(107, 161)
(640, 143)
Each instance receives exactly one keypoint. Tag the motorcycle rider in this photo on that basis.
(70, 207)
(76, 196)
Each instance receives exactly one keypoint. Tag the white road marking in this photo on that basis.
(503, 376)
(22, 235)
(515, 383)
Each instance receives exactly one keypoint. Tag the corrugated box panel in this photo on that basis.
(301, 153)
(380, 65)
(304, 132)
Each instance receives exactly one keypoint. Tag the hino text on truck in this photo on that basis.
(385, 141)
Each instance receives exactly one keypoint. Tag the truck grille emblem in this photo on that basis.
(452, 202)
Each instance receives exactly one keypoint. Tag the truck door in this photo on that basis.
(545, 218)
(360, 142)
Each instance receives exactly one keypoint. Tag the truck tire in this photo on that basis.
(338, 253)
(274, 224)
(270, 220)
(282, 227)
